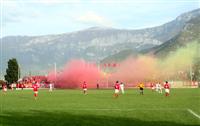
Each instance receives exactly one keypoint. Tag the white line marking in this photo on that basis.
(134, 109)
(193, 113)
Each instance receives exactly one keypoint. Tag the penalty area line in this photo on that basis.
(193, 113)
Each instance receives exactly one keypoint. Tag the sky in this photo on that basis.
(42, 17)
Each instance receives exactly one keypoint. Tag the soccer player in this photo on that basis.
(97, 85)
(166, 86)
(117, 87)
(159, 88)
(4, 88)
(152, 87)
(141, 87)
(84, 86)
(50, 87)
(35, 89)
(122, 87)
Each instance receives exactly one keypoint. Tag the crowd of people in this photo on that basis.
(31, 82)
(27, 82)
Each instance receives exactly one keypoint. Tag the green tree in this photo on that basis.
(12, 72)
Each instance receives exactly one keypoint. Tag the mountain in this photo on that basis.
(120, 56)
(189, 32)
(39, 53)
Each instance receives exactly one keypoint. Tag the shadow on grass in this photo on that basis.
(40, 118)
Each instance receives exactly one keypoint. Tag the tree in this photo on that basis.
(12, 72)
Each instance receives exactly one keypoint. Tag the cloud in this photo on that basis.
(15, 12)
(199, 3)
(94, 19)
(50, 2)
(19, 16)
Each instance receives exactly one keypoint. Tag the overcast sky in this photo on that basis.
(41, 17)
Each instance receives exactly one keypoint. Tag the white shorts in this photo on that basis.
(167, 90)
(35, 92)
(116, 91)
(85, 89)
(5, 89)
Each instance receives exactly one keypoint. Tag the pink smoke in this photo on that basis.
(134, 70)
(75, 73)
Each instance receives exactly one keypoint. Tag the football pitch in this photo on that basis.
(100, 108)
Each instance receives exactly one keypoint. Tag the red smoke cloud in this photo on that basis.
(130, 71)
(75, 73)
(135, 70)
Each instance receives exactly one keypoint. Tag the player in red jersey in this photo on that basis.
(4, 87)
(84, 86)
(167, 88)
(117, 87)
(152, 86)
(35, 89)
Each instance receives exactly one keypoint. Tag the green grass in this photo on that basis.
(99, 108)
